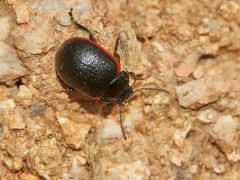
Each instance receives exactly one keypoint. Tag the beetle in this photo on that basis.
(88, 68)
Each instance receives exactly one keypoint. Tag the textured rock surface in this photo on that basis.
(187, 130)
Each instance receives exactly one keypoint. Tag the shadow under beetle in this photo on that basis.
(90, 69)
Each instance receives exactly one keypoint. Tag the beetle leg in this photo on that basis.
(108, 100)
(116, 49)
(84, 28)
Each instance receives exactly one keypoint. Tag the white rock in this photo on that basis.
(111, 129)
(10, 65)
(133, 171)
(60, 5)
(207, 116)
(200, 92)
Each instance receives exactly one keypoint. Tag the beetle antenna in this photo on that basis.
(121, 122)
(150, 89)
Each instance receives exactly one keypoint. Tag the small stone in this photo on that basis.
(180, 135)
(63, 18)
(233, 157)
(16, 120)
(198, 73)
(225, 133)
(219, 168)
(22, 13)
(111, 129)
(183, 70)
(193, 169)
(74, 133)
(211, 162)
(75, 169)
(7, 105)
(175, 158)
(11, 68)
(13, 164)
(197, 93)
(207, 116)
(24, 95)
(134, 170)
(230, 10)
(28, 176)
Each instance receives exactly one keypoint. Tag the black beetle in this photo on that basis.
(88, 68)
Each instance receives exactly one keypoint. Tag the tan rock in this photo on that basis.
(197, 93)
(180, 135)
(183, 69)
(230, 9)
(198, 73)
(28, 176)
(24, 95)
(225, 133)
(134, 170)
(207, 115)
(74, 133)
(16, 120)
(22, 13)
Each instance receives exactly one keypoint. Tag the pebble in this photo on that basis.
(181, 134)
(75, 133)
(21, 11)
(230, 9)
(175, 158)
(197, 93)
(207, 116)
(183, 69)
(135, 170)
(198, 72)
(16, 120)
(11, 67)
(225, 133)
(111, 129)
(24, 95)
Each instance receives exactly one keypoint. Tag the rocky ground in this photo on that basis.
(189, 130)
